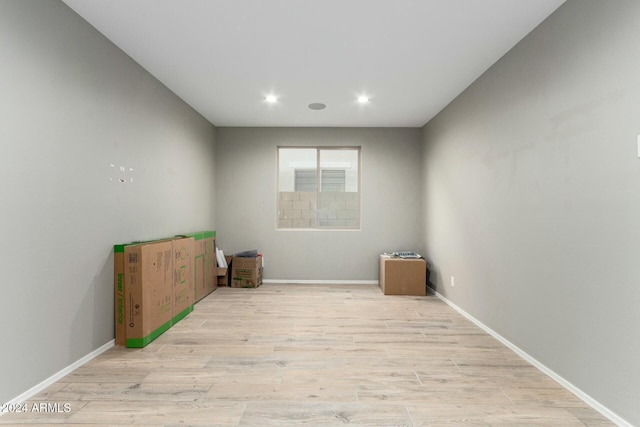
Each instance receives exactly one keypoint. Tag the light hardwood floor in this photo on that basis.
(312, 355)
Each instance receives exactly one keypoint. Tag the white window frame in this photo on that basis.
(318, 190)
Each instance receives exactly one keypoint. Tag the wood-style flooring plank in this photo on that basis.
(322, 414)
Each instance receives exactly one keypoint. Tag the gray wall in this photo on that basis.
(71, 105)
(246, 201)
(532, 193)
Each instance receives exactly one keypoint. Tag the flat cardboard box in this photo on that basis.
(403, 276)
(221, 273)
(200, 284)
(246, 272)
(181, 276)
(149, 291)
(183, 286)
(210, 263)
(204, 260)
(224, 273)
(119, 297)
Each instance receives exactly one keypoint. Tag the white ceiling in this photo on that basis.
(222, 57)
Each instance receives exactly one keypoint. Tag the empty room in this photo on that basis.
(285, 212)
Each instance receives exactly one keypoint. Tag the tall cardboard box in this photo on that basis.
(246, 272)
(148, 291)
(400, 276)
(204, 263)
(210, 263)
(119, 297)
(183, 285)
(200, 287)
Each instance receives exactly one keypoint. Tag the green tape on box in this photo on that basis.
(142, 342)
(202, 235)
(178, 317)
(120, 247)
(196, 236)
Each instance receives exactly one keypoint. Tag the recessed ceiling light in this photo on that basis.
(362, 99)
(271, 99)
(317, 106)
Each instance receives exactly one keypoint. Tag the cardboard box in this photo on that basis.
(223, 273)
(119, 297)
(204, 260)
(183, 285)
(132, 302)
(148, 285)
(210, 263)
(246, 272)
(403, 276)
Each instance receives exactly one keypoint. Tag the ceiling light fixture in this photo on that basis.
(362, 99)
(271, 99)
(317, 106)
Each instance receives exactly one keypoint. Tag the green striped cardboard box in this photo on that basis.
(131, 302)
(183, 283)
(119, 268)
(148, 280)
(204, 260)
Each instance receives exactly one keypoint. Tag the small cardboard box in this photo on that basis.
(148, 284)
(183, 284)
(403, 276)
(246, 272)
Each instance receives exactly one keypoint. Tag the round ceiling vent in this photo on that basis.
(317, 106)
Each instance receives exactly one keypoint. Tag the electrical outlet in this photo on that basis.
(453, 281)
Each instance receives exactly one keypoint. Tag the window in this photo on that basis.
(334, 203)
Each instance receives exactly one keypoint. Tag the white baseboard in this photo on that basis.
(58, 375)
(557, 378)
(320, 282)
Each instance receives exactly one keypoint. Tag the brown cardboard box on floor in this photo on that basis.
(119, 267)
(400, 276)
(148, 291)
(246, 272)
(210, 263)
(204, 260)
(183, 296)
